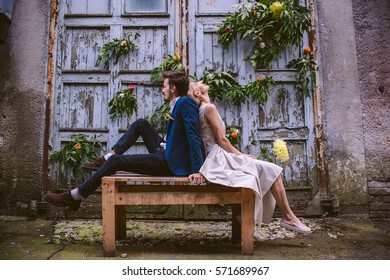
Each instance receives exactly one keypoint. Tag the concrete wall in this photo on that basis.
(342, 102)
(23, 62)
(372, 25)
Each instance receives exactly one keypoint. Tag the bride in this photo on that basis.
(226, 165)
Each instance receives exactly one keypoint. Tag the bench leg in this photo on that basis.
(120, 222)
(108, 217)
(236, 223)
(247, 221)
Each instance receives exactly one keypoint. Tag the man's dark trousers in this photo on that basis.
(153, 163)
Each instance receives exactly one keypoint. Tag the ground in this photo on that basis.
(357, 237)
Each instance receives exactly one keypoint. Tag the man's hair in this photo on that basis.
(178, 79)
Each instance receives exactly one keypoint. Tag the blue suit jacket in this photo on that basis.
(184, 145)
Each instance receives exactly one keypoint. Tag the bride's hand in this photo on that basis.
(196, 178)
(250, 156)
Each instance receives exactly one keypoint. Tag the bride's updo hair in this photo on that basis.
(197, 86)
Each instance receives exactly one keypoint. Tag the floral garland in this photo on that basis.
(221, 84)
(304, 65)
(260, 89)
(169, 63)
(160, 117)
(73, 153)
(225, 88)
(271, 25)
(116, 49)
(123, 102)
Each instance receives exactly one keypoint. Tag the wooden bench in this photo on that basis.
(122, 189)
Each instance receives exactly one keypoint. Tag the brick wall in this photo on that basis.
(379, 199)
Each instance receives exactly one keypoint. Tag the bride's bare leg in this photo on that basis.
(279, 193)
(289, 220)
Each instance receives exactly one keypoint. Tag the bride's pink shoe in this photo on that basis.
(296, 225)
(257, 235)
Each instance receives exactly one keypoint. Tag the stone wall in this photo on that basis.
(23, 60)
(342, 104)
(372, 25)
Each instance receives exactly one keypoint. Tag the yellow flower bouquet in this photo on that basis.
(280, 150)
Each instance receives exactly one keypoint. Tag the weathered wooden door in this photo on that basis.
(290, 118)
(83, 90)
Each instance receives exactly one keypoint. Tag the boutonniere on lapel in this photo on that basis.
(167, 116)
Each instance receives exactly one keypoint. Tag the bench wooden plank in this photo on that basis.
(117, 193)
(108, 217)
(176, 198)
(143, 178)
(175, 188)
(247, 221)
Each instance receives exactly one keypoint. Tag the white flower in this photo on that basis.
(121, 95)
(262, 45)
(210, 76)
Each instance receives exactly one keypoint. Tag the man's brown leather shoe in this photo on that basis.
(64, 199)
(93, 165)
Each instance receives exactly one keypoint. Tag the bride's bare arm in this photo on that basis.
(212, 117)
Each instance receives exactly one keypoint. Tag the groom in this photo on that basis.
(179, 154)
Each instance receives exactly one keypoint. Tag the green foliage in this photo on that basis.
(116, 49)
(123, 102)
(271, 26)
(220, 84)
(170, 63)
(223, 87)
(266, 155)
(259, 89)
(233, 135)
(306, 72)
(236, 94)
(73, 153)
(160, 117)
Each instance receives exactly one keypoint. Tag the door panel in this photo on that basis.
(81, 47)
(87, 7)
(154, 47)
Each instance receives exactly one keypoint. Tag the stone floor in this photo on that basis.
(357, 237)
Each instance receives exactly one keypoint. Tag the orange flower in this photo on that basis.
(234, 134)
(307, 50)
(77, 146)
(254, 12)
(258, 79)
(176, 57)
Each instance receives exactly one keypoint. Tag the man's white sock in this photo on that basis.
(107, 156)
(75, 194)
